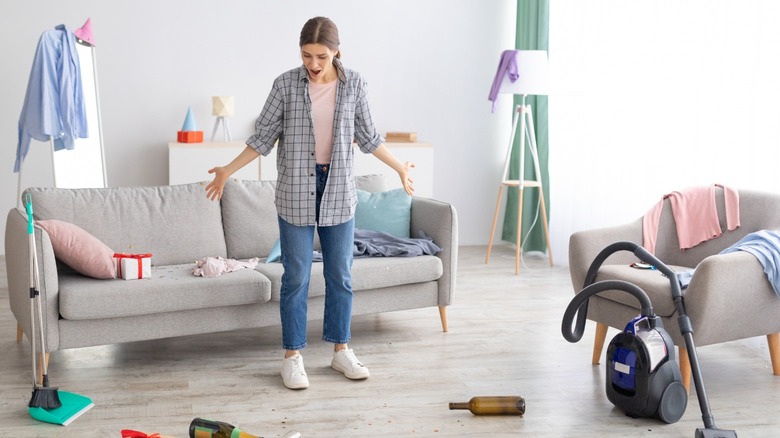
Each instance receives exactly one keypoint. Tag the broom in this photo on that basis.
(47, 404)
(43, 396)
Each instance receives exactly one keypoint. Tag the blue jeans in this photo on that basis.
(297, 244)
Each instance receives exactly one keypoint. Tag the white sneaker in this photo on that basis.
(293, 373)
(346, 362)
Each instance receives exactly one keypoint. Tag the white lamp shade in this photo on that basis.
(531, 74)
(223, 106)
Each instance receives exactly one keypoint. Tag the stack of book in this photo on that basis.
(401, 137)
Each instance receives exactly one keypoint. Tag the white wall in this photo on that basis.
(429, 65)
(650, 96)
(656, 96)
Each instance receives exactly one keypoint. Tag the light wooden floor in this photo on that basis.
(504, 339)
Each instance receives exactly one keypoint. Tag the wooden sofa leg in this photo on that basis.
(598, 342)
(443, 316)
(19, 333)
(685, 367)
(774, 351)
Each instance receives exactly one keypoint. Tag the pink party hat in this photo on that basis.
(84, 33)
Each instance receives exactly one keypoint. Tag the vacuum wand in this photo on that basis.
(686, 329)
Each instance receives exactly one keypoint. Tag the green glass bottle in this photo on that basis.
(501, 405)
(201, 428)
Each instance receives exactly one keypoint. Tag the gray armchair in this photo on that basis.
(728, 298)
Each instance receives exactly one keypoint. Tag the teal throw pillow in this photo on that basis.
(389, 211)
(276, 252)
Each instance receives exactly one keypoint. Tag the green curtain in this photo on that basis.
(533, 30)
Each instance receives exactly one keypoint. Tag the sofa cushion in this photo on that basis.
(387, 211)
(80, 250)
(371, 183)
(250, 217)
(653, 282)
(276, 252)
(177, 224)
(170, 289)
(367, 273)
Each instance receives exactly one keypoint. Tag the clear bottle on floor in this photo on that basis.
(496, 405)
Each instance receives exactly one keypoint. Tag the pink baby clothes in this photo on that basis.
(211, 267)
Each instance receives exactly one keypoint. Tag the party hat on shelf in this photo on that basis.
(189, 131)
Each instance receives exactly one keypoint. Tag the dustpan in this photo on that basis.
(73, 405)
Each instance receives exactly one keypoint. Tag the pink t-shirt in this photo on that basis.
(323, 109)
(695, 216)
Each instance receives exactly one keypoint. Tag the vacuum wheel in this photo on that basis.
(673, 402)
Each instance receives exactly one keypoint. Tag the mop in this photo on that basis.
(47, 403)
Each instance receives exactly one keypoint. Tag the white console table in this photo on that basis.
(190, 162)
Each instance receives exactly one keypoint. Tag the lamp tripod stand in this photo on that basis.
(524, 116)
(225, 128)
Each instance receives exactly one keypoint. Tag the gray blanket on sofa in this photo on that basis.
(378, 244)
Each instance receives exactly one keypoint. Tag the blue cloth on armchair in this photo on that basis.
(765, 246)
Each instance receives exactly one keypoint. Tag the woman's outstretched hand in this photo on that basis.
(403, 169)
(406, 179)
(215, 187)
(222, 173)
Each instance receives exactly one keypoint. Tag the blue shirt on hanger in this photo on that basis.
(54, 102)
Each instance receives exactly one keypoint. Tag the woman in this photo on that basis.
(315, 111)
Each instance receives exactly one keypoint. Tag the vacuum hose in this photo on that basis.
(579, 306)
(642, 254)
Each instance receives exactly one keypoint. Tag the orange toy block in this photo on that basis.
(189, 136)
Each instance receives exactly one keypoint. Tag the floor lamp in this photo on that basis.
(528, 68)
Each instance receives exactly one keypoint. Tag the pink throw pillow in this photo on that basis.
(80, 250)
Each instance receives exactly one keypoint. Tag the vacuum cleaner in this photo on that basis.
(643, 378)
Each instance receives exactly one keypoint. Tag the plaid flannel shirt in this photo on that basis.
(285, 121)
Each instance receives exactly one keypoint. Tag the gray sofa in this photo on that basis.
(179, 225)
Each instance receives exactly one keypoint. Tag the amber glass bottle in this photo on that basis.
(200, 428)
(502, 405)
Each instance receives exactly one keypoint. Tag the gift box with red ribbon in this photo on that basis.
(133, 266)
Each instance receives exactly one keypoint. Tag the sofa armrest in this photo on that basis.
(439, 220)
(17, 262)
(584, 246)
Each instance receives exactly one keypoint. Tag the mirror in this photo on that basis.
(84, 166)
